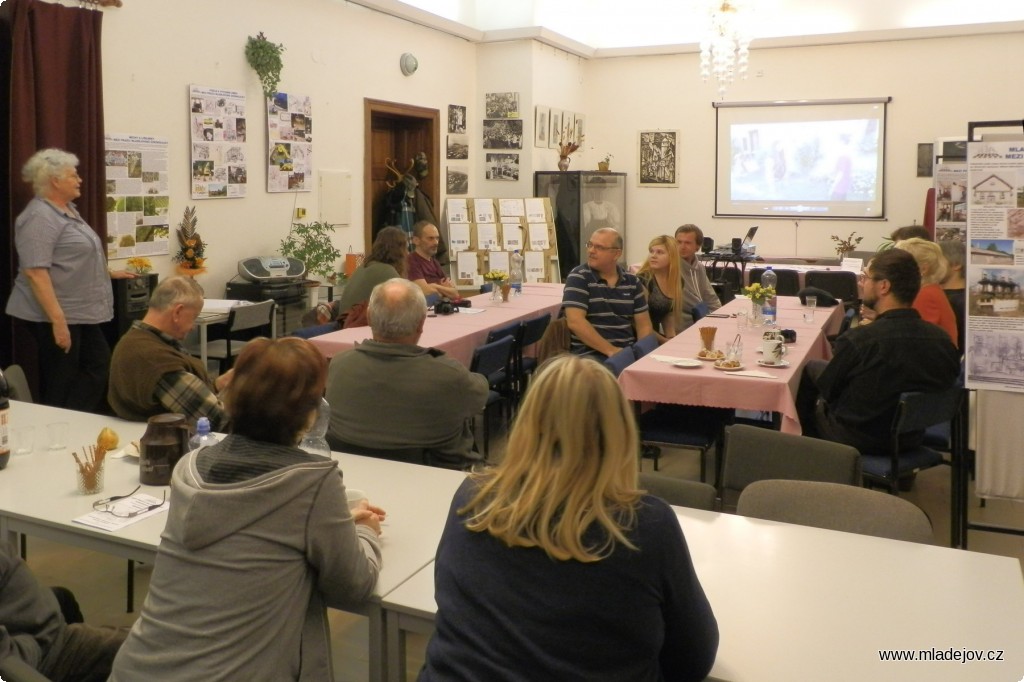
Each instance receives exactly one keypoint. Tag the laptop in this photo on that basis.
(745, 245)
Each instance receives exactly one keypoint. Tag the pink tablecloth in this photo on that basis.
(459, 334)
(653, 380)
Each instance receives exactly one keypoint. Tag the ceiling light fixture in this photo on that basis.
(725, 51)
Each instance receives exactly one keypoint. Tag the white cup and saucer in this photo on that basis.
(773, 350)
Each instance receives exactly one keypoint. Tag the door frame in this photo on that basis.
(395, 110)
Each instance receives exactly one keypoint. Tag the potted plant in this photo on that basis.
(848, 245)
(265, 59)
(311, 243)
(604, 163)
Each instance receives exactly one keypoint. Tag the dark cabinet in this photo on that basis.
(582, 201)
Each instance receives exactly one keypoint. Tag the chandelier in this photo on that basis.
(725, 51)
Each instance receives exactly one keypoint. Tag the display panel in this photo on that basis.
(801, 159)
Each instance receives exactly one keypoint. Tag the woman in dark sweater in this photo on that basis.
(554, 566)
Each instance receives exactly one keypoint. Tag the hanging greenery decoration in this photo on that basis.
(265, 59)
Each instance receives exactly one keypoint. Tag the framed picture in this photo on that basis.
(503, 134)
(657, 155)
(580, 121)
(458, 147)
(501, 105)
(457, 181)
(502, 167)
(540, 126)
(925, 156)
(456, 119)
(555, 129)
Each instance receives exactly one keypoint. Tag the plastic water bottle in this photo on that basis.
(315, 440)
(515, 272)
(203, 437)
(769, 279)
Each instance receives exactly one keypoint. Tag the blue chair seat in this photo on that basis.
(910, 462)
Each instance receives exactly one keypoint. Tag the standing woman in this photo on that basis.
(664, 284)
(62, 292)
(554, 566)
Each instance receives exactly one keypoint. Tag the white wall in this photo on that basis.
(937, 86)
(337, 53)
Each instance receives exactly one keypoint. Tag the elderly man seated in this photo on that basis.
(852, 398)
(150, 373)
(390, 394)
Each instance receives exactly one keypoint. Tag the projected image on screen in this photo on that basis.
(801, 161)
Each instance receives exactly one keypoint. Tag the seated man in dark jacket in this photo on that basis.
(35, 636)
(852, 398)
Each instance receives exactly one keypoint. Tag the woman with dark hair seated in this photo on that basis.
(259, 540)
(554, 566)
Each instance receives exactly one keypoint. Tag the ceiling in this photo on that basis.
(610, 28)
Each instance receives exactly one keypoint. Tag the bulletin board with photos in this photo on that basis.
(484, 233)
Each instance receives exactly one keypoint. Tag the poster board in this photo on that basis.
(483, 233)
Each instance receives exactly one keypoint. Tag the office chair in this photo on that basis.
(679, 492)
(241, 318)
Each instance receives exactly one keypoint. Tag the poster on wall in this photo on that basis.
(218, 142)
(657, 156)
(995, 265)
(290, 132)
(951, 201)
(137, 195)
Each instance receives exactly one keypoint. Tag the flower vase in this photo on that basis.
(496, 291)
(563, 163)
(756, 314)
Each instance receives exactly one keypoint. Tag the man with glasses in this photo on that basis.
(605, 306)
(852, 398)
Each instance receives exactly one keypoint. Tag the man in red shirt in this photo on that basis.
(422, 267)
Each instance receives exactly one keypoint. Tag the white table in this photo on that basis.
(800, 603)
(38, 498)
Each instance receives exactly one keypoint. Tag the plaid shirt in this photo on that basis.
(187, 394)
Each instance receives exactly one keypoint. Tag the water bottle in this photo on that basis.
(203, 437)
(515, 273)
(769, 279)
(315, 440)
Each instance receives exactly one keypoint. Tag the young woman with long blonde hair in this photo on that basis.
(553, 565)
(664, 284)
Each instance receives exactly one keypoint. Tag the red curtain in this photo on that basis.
(53, 67)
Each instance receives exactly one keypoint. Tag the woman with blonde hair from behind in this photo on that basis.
(553, 565)
(931, 302)
(663, 282)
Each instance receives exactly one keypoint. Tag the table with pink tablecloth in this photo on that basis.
(459, 334)
(653, 379)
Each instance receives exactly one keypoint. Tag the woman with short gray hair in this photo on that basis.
(62, 293)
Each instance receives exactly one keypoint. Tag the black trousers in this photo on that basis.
(77, 379)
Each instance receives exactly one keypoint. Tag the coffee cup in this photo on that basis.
(772, 351)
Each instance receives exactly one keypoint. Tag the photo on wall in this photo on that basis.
(555, 128)
(456, 119)
(502, 167)
(540, 126)
(657, 156)
(502, 134)
(501, 105)
(458, 147)
(457, 181)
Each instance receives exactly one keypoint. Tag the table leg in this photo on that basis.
(395, 648)
(378, 644)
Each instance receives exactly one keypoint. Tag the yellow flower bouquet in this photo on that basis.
(496, 276)
(758, 294)
(139, 264)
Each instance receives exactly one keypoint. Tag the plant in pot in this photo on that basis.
(605, 163)
(846, 246)
(265, 59)
(311, 243)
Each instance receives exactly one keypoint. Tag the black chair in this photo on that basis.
(533, 331)
(840, 283)
(788, 284)
(492, 360)
(686, 427)
(915, 412)
(513, 373)
(242, 318)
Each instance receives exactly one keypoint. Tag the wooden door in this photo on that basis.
(397, 132)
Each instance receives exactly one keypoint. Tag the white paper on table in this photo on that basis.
(538, 236)
(471, 311)
(534, 266)
(853, 264)
(511, 208)
(484, 210)
(109, 522)
(487, 237)
(458, 236)
(458, 212)
(221, 305)
(535, 210)
(498, 260)
(467, 265)
(512, 235)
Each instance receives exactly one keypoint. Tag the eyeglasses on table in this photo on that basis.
(107, 506)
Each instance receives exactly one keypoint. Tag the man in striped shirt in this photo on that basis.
(605, 306)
